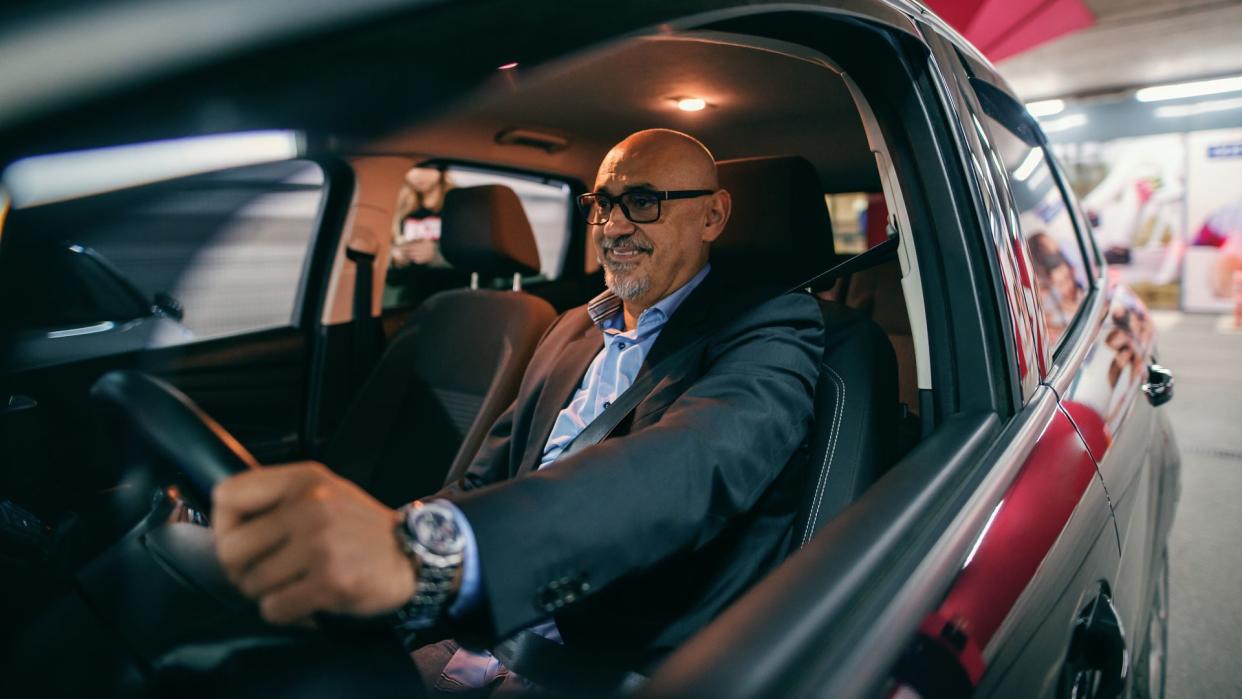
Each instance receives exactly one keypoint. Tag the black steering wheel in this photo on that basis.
(171, 426)
(161, 603)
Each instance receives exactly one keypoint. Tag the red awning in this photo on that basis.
(1003, 28)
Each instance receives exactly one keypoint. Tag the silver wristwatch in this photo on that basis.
(429, 535)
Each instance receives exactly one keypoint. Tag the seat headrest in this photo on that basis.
(484, 229)
(780, 229)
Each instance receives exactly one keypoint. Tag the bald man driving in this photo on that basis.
(598, 559)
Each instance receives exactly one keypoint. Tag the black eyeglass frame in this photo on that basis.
(587, 201)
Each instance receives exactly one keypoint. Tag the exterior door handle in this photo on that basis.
(1097, 664)
(1159, 386)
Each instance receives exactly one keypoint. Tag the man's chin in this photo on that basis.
(624, 284)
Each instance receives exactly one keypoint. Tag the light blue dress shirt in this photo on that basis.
(611, 372)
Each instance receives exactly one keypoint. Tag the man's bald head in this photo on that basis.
(683, 161)
(645, 261)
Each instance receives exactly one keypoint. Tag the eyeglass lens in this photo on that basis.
(638, 207)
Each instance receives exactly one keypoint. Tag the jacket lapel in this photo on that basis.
(687, 323)
(571, 365)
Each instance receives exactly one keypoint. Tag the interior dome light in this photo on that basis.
(691, 104)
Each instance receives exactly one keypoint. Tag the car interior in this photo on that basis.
(398, 396)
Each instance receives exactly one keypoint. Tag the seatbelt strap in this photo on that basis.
(607, 421)
(362, 354)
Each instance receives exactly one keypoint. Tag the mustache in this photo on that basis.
(624, 243)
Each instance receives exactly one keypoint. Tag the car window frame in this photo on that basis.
(1013, 116)
(952, 70)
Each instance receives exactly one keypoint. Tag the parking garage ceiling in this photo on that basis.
(1133, 43)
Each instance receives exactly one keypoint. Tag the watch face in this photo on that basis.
(436, 528)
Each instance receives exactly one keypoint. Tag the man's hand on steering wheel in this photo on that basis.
(299, 539)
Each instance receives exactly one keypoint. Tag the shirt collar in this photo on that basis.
(605, 309)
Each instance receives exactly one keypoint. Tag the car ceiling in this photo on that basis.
(348, 87)
(761, 102)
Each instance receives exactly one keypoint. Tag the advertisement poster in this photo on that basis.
(1213, 269)
(1134, 191)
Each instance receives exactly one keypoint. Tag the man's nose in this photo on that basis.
(617, 225)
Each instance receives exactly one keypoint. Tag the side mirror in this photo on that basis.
(169, 306)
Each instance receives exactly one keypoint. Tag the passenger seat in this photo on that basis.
(457, 362)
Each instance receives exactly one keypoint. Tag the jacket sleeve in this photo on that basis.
(628, 503)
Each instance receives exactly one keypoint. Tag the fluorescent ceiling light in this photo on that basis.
(1197, 88)
(1045, 108)
(691, 104)
(1185, 110)
(47, 178)
(1028, 166)
(1064, 123)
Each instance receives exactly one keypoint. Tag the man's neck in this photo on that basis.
(632, 310)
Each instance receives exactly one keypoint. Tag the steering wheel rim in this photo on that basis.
(171, 426)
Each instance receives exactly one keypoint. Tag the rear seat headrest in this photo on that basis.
(484, 229)
(780, 229)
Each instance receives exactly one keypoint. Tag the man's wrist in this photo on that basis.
(429, 535)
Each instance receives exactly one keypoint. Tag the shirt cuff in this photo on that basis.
(471, 592)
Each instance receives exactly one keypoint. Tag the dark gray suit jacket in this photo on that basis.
(637, 542)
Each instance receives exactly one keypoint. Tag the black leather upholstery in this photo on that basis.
(780, 230)
(781, 222)
(856, 417)
(454, 366)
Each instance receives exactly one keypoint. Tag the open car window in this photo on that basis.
(220, 253)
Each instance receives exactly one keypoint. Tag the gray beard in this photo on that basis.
(627, 287)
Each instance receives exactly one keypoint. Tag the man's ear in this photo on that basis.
(717, 214)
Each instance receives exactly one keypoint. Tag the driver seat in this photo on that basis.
(781, 230)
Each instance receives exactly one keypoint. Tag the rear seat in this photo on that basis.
(877, 292)
(455, 365)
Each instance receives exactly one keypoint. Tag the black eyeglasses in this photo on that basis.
(639, 205)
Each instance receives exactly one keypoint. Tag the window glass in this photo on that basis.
(1048, 229)
(416, 267)
(859, 221)
(188, 259)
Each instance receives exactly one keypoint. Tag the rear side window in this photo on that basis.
(201, 257)
(859, 221)
(1047, 227)
(416, 267)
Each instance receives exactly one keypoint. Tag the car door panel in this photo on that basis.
(1122, 429)
(1052, 538)
(1052, 525)
(254, 386)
